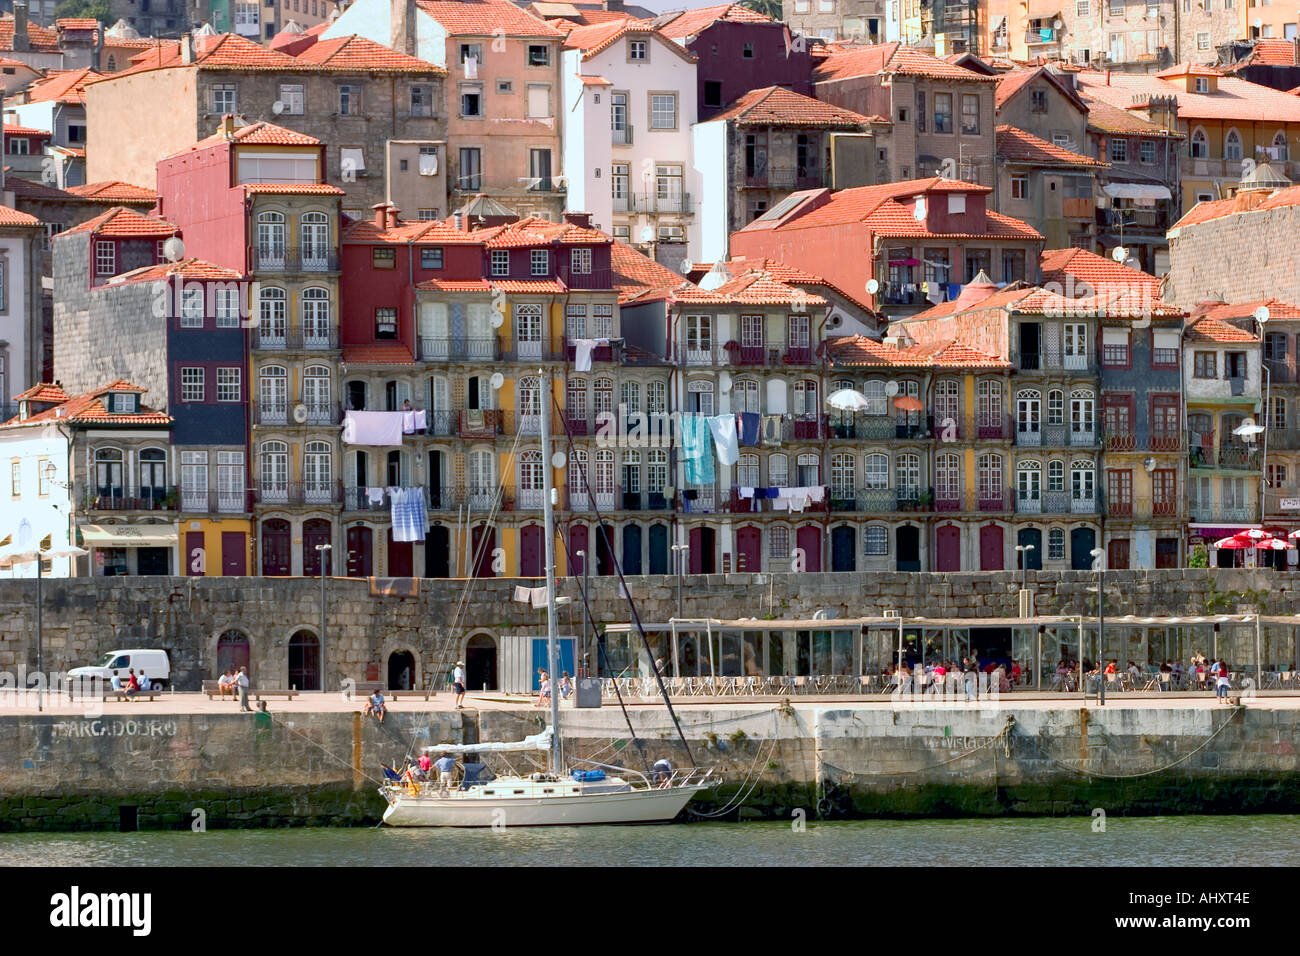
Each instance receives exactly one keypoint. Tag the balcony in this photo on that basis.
(621, 137)
(880, 500)
(1232, 456)
(591, 279)
(216, 501)
(481, 349)
(1036, 435)
(271, 339)
(1052, 361)
(481, 423)
(299, 493)
(294, 260)
(435, 499)
(1129, 441)
(1143, 508)
(674, 203)
(784, 177)
(625, 203)
(1283, 439)
(988, 427)
(117, 499)
(533, 350)
(599, 353)
(1200, 512)
(878, 427)
(769, 354)
(300, 413)
(603, 501)
(1279, 373)
(1041, 37)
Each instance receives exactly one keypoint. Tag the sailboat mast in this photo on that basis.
(548, 535)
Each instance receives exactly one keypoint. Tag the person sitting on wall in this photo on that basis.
(132, 683)
(375, 706)
(145, 685)
(226, 682)
(116, 681)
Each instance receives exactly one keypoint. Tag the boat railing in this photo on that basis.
(680, 777)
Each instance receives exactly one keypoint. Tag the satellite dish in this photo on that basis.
(497, 379)
(648, 234)
(669, 491)
(918, 213)
(497, 319)
(277, 107)
(1149, 464)
(174, 249)
(300, 414)
(1119, 254)
(558, 460)
(891, 389)
(1261, 314)
(1057, 24)
(873, 285)
(686, 266)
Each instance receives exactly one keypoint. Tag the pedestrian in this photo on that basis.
(1222, 683)
(458, 682)
(544, 692)
(566, 686)
(241, 681)
(132, 683)
(375, 706)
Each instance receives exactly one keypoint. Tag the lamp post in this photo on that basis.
(1024, 550)
(322, 555)
(586, 598)
(680, 550)
(1098, 556)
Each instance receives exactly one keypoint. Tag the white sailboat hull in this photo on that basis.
(626, 806)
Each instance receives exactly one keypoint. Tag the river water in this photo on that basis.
(1041, 841)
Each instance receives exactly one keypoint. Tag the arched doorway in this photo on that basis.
(604, 549)
(843, 548)
(361, 556)
(631, 549)
(276, 558)
(316, 531)
(659, 549)
(233, 652)
(481, 663)
(1082, 541)
(704, 549)
(749, 549)
(991, 549)
(809, 539)
(304, 661)
(483, 544)
(577, 542)
(947, 548)
(437, 552)
(401, 671)
(531, 548)
(1032, 559)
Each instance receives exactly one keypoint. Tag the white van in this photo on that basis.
(152, 663)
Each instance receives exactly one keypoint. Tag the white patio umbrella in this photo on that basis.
(847, 400)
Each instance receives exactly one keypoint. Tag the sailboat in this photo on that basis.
(563, 796)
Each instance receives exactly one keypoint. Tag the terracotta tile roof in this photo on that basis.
(408, 230)
(487, 18)
(89, 409)
(12, 217)
(861, 352)
(1188, 69)
(293, 189)
(593, 40)
(455, 285)
(857, 203)
(594, 81)
(61, 86)
(535, 232)
(1249, 200)
(260, 133)
(1267, 52)
(121, 221)
(30, 191)
(776, 106)
(1016, 146)
(39, 39)
(956, 355)
(690, 23)
(77, 23)
(637, 276)
(1105, 118)
(1218, 331)
(197, 269)
(995, 299)
(1109, 303)
(378, 353)
(1091, 271)
(1277, 309)
(568, 15)
(356, 53)
(1235, 99)
(762, 288)
(114, 191)
(530, 286)
(44, 392)
(781, 272)
(27, 131)
(891, 58)
(1009, 84)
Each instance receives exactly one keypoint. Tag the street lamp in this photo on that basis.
(1098, 561)
(1024, 550)
(679, 550)
(586, 598)
(322, 555)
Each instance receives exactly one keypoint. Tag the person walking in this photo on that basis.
(1222, 683)
(241, 681)
(458, 683)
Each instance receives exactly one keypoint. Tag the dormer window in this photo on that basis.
(541, 262)
(956, 203)
(105, 258)
(1201, 85)
(122, 403)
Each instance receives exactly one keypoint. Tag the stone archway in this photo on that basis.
(481, 662)
(304, 660)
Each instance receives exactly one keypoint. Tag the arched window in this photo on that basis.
(153, 476)
(907, 476)
(316, 395)
(947, 481)
(272, 394)
(275, 471)
(1029, 487)
(805, 399)
(656, 398)
(532, 479)
(530, 405)
(602, 395)
(632, 472)
(809, 475)
(271, 318)
(908, 416)
(875, 472)
(316, 318)
(1199, 146)
(314, 242)
(699, 397)
(877, 400)
(1281, 148)
(577, 478)
(779, 541)
(1056, 475)
(1056, 407)
(603, 477)
(482, 478)
(270, 240)
(778, 470)
(629, 396)
(745, 396)
(990, 478)
(317, 471)
(575, 402)
(1056, 544)
(528, 330)
(990, 404)
(1232, 145)
(1082, 408)
(747, 471)
(843, 479)
(108, 473)
(1028, 411)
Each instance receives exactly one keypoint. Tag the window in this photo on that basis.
(1202, 43)
(291, 99)
(385, 323)
(1056, 544)
(1199, 146)
(1281, 149)
(876, 540)
(1164, 348)
(431, 258)
(1204, 365)
(426, 215)
(1232, 145)
(505, 87)
(468, 176)
(1082, 8)
(943, 112)
(539, 54)
(842, 477)
(1056, 476)
(45, 470)
(349, 100)
(920, 112)
(105, 257)
(747, 51)
(1020, 186)
(663, 110)
(1116, 8)
(381, 258)
(223, 97)
(990, 477)
(580, 261)
(712, 92)
(228, 385)
(539, 101)
(192, 385)
(192, 308)
(970, 114)
(76, 133)
(227, 308)
(638, 50)
(1114, 348)
(500, 262)
(1234, 365)
(471, 51)
(421, 100)
(602, 321)
(471, 100)
(672, 233)
(1118, 150)
(1038, 101)
(541, 262)
(1147, 152)
(16, 478)
(1277, 412)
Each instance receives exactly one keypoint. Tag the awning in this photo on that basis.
(1136, 191)
(128, 535)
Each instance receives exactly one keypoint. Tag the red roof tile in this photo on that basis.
(1091, 272)
(196, 269)
(1109, 303)
(535, 232)
(486, 18)
(114, 191)
(260, 133)
(121, 221)
(378, 353)
(407, 230)
(776, 106)
(44, 392)
(637, 276)
(293, 189)
(61, 86)
(891, 58)
(1235, 98)
(1016, 146)
(1277, 309)
(77, 23)
(1105, 118)
(592, 40)
(12, 217)
(27, 131)
(455, 285)
(530, 286)
(1009, 84)
(691, 23)
(89, 409)
(1249, 200)
(858, 351)
(358, 53)
(762, 288)
(1218, 331)
(1267, 52)
(39, 39)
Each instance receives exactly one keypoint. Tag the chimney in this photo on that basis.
(402, 26)
(20, 25)
(582, 219)
(226, 127)
(612, 5)
(458, 220)
(187, 48)
(381, 215)
(391, 214)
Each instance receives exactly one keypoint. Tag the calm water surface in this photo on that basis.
(1131, 841)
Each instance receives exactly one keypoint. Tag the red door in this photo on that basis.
(275, 547)
(401, 563)
(195, 560)
(577, 542)
(703, 543)
(947, 548)
(809, 538)
(991, 547)
(234, 554)
(531, 548)
(1117, 554)
(749, 549)
(484, 543)
(361, 562)
(315, 532)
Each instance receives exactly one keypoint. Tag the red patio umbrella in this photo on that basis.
(1254, 534)
(1275, 544)
(909, 403)
(1233, 543)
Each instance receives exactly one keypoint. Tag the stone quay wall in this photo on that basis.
(84, 618)
(913, 760)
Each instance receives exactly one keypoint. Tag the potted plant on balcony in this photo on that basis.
(170, 500)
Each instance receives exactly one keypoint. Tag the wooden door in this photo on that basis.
(809, 538)
(991, 553)
(361, 557)
(276, 548)
(234, 554)
(947, 548)
(749, 549)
